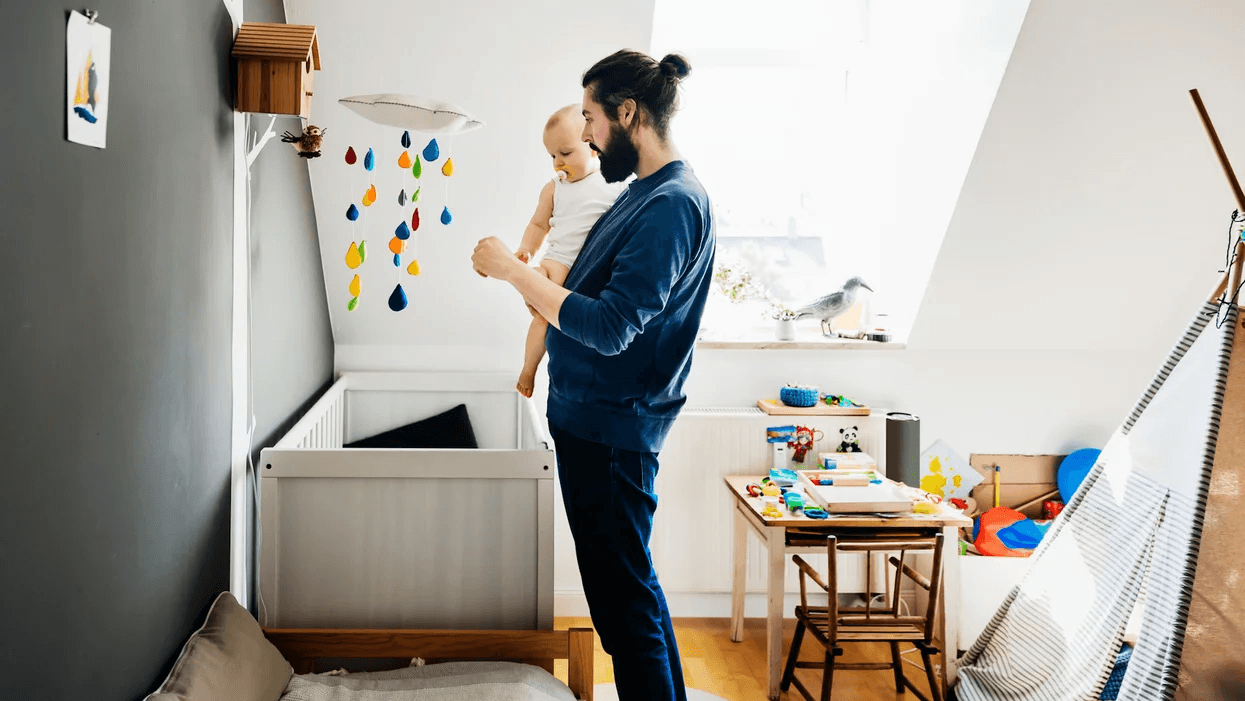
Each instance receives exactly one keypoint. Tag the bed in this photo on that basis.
(408, 538)
(230, 658)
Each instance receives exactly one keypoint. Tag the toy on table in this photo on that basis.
(794, 502)
(844, 478)
(838, 400)
(783, 477)
(798, 395)
(1007, 533)
(849, 444)
(815, 512)
(779, 437)
(769, 507)
(857, 461)
(802, 441)
(771, 490)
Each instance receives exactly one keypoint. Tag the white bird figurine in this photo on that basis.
(833, 305)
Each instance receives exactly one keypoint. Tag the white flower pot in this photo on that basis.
(786, 330)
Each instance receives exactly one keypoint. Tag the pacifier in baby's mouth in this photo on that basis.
(564, 172)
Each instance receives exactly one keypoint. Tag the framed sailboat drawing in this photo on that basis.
(88, 46)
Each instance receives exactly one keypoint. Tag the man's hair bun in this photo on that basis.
(675, 65)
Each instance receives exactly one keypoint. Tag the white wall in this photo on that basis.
(1089, 229)
(510, 64)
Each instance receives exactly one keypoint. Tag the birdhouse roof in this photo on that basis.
(295, 42)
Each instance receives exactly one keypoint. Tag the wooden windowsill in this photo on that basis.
(801, 342)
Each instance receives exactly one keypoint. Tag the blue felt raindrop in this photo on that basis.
(403, 231)
(432, 152)
(353, 213)
(397, 300)
(397, 260)
(406, 139)
(446, 217)
(369, 161)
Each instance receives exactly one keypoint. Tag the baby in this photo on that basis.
(569, 205)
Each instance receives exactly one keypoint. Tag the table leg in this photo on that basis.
(950, 606)
(776, 548)
(739, 582)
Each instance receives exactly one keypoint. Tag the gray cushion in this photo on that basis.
(228, 659)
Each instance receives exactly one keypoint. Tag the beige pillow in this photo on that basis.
(228, 659)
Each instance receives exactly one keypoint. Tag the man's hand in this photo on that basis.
(492, 258)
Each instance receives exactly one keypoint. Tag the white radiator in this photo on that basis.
(692, 532)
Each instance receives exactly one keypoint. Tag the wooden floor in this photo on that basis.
(736, 671)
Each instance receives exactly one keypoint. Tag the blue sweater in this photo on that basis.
(638, 289)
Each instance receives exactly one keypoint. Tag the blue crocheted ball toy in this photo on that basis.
(799, 396)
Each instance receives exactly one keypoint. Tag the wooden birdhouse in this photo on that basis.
(276, 67)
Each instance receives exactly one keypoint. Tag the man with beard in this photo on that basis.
(620, 348)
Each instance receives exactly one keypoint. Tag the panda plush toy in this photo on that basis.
(849, 443)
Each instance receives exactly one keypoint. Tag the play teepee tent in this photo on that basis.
(1158, 527)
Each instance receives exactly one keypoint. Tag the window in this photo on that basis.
(833, 137)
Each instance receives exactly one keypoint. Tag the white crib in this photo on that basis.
(409, 538)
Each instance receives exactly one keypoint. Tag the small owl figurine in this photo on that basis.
(307, 143)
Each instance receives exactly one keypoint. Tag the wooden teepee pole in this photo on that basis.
(1232, 276)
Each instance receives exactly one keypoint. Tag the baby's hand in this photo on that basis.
(525, 256)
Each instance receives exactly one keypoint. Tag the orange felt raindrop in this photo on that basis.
(404, 161)
(397, 245)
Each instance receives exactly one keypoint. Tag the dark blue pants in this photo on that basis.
(608, 493)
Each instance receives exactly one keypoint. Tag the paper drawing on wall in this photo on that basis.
(88, 46)
(945, 473)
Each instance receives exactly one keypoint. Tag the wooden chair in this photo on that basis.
(832, 625)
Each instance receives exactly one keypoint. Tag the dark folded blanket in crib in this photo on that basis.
(449, 429)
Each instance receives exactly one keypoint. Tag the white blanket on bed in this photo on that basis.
(450, 681)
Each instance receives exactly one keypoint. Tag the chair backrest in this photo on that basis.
(891, 613)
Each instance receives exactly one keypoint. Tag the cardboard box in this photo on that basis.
(1022, 477)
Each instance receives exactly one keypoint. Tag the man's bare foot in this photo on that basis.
(527, 381)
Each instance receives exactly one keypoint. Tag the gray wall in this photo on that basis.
(115, 346)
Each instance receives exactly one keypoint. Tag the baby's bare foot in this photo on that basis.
(527, 381)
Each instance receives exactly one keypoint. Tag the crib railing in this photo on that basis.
(322, 427)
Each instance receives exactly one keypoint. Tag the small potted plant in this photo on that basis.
(786, 322)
